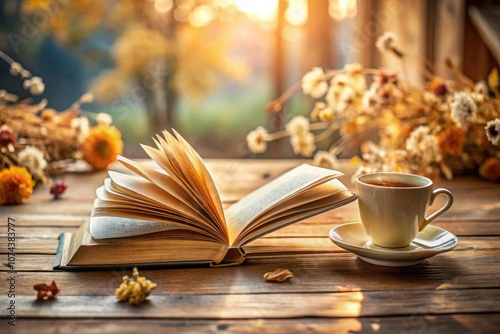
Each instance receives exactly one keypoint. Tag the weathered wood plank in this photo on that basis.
(314, 227)
(235, 179)
(469, 206)
(418, 323)
(318, 227)
(312, 244)
(332, 283)
(274, 305)
(54, 219)
(294, 244)
(39, 231)
(460, 269)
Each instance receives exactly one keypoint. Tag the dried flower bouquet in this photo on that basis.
(440, 128)
(37, 143)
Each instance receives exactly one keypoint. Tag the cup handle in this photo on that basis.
(446, 206)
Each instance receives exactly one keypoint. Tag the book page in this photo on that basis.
(284, 187)
(161, 179)
(195, 172)
(129, 196)
(309, 197)
(296, 214)
(205, 176)
(163, 247)
(118, 227)
(135, 187)
(184, 165)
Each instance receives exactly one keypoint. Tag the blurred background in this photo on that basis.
(208, 68)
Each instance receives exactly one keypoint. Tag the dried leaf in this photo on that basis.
(46, 291)
(279, 275)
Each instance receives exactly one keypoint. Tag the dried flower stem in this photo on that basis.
(5, 57)
(460, 76)
(405, 72)
(328, 75)
(10, 61)
(284, 133)
(435, 128)
(325, 134)
(426, 66)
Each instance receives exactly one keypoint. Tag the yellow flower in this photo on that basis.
(16, 185)
(135, 290)
(490, 169)
(326, 115)
(323, 112)
(451, 140)
(101, 146)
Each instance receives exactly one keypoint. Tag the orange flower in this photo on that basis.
(16, 185)
(490, 169)
(451, 140)
(101, 146)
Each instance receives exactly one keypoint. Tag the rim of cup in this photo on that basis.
(420, 181)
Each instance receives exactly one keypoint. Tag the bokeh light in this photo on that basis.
(263, 10)
(202, 16)
(343, 9)
(296, 12)
(163, 6)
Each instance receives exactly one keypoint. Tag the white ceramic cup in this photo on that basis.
(393, 215)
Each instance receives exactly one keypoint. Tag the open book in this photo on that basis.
(174, 215)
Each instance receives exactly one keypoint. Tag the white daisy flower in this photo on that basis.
(463, 109)
(493, 131)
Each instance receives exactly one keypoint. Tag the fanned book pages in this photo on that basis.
(174, 214)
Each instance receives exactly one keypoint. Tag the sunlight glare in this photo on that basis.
(264, 10)
(202, 15)
(343, 9)
(181, 13)
(296, 12)
(163, 6)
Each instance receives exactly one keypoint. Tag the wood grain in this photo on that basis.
(269, 305)
(418, 323)
(464, 268)
(457, 291)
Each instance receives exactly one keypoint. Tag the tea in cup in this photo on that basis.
(393, 206)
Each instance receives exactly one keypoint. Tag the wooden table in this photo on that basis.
(332, 291)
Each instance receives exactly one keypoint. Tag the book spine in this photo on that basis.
(233, 257)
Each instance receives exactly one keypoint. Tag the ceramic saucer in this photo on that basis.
(431, 241)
